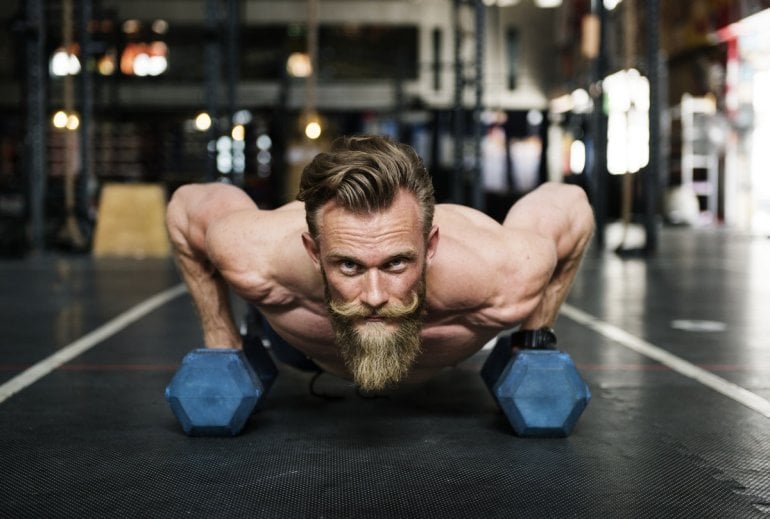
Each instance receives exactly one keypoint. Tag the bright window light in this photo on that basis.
(628, 132)
(577, 157)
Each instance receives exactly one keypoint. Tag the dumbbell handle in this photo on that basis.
(540, 339)
(508, 346)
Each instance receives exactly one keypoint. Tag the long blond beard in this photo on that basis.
(378, 354)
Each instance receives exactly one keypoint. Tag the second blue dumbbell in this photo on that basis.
(538, 387)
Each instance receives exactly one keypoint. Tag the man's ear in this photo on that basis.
(432, 244)
(311, 247)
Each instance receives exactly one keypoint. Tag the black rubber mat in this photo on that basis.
(104, 445)
(95, 438)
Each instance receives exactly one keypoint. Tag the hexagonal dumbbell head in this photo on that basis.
(540, 392)
(215, 391)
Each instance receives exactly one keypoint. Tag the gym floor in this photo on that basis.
(674, 348)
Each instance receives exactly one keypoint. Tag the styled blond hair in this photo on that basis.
(363, 174)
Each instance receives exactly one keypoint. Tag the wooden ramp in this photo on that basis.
(131, 222)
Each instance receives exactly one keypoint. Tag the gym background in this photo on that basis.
(497, 96)
(657, 108)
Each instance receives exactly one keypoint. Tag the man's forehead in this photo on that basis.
(391, 232)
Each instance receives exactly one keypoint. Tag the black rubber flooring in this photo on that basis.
(95, 437)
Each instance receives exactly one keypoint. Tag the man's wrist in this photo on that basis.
(223, 342)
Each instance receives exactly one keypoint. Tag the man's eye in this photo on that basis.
(397, 264)
(348, 267)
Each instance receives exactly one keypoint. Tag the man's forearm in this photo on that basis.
(554, 295)
(211, 297)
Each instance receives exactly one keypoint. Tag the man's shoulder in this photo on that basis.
(260, 253)
(457, 218)
(260, 227)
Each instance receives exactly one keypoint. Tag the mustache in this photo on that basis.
(393, 310)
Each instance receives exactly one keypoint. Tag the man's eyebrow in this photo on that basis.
(407, 253)
(340, 255)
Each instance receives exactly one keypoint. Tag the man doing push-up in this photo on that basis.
(365, 275)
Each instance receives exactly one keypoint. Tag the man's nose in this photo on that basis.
(373, 292)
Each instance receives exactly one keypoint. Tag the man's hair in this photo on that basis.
(363, 174)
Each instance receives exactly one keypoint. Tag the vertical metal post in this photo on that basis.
(233, 22)
(36, 107)
(651, 184)
(436, 62)
(479, 201)
(85, 106)
(212, 58)
(458, 126)
(311, 82)
(599, 124)
(232, 75)
(398, 90)
(71, 229)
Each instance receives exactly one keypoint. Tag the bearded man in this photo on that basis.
(364, 276)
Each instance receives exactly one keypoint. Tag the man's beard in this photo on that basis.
(376, 354)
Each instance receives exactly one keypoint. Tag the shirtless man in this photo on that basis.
(365, 275)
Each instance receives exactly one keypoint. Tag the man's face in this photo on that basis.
(374, 271)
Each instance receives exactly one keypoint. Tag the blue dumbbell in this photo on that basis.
(537, 387)
(214, 391)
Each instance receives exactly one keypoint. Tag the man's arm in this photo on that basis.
(561, 214)
(192, 210)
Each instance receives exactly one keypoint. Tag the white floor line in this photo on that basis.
(727, 388)
(88, 341)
